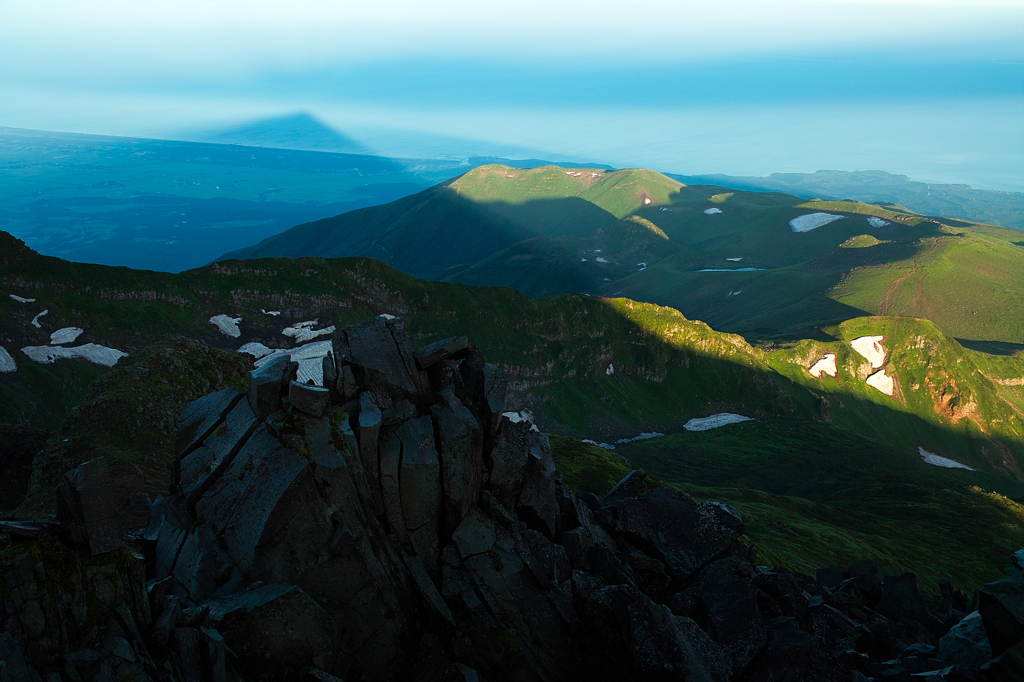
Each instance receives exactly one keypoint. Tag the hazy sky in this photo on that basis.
(920, 87)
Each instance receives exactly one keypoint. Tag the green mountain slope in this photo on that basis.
(603, 369)
(1005, 209)
(635, 233)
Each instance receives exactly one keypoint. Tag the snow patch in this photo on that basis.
(256, 349)
(385, 316)
(714, 421)
(647, 201)
(641, 265)
(572, 174)
(871, 348)
(583, 260)
(642, 269)
(881, 381)
(610, 370)
(272, 313)
(524, 416)
(304, 331)
(712, 211)
(642, 436)
(600, 260)
(310, 358)
(878, 222)
(735, 293)
(734, 260)
(35, 320)
(826, 365)
(7, 363)
(606, 446)
(227, 325)
(65, 335)
(96, 354)
(813, 221)
(19, 299)
(940, 461)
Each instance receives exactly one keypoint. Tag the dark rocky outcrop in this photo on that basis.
(394, 525)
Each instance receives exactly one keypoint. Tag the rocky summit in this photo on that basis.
(401, 522)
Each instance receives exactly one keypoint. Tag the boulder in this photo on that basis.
(454, 347)
(87, 508)
(461, 451)
(195, 470)
(654, 640)
(966, 644)
(265, 386)
(901, 598)
(723, 602)
(674, 528)
(1001, 605)
(311, 400)
(276, 630)
(420, 485)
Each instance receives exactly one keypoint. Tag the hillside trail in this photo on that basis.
(886, 300)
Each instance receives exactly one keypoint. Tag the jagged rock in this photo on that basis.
(13, 667)
(367, 433)
(538, 501)
(496, 561)
(196, 469)
(346, 384)
(420, 485)
(461, 446)
(202, 416)
(455, 347)
(276, 630)
(674, 528)
(966, 644)
(390, 458)
(1001, 605)
(508, 460)
(1007, 667)
(655, 641)
(631, 485)
(265, 386)
(330, 372)
(87, 508)
(312, 400)
(382, 362)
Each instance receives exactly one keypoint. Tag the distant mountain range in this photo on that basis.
(730, 258)
(1004, 209)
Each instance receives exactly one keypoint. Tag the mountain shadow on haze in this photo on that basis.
(294, 131)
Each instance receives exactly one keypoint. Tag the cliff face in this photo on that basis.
(399, 522)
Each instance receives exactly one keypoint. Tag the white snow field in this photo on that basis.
(712, 211)
(877, 222)
(65, 335)
(714, 421)
(826, 365)
(303, 331)
(940, 461)
(881, 381)
(870, 347)
(94, 353)
(19, 299)
(7, 363)
(255, 349)
(310, 358)
(35, 320)
(813, 221)
(227, 325)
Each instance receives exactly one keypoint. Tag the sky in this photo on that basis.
(931, 89)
